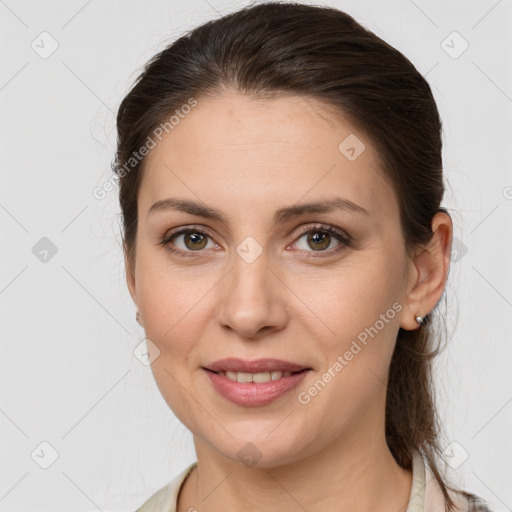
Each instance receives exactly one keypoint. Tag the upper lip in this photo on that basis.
(232, 364)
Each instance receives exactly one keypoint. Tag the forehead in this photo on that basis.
(241, 151)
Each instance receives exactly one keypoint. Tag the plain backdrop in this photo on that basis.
(83, 426)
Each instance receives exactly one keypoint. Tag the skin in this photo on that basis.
(247, 158)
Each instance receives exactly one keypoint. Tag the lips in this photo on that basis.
(255, 394)
(232, 364)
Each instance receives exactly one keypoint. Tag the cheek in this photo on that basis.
(355, 326)
(171, 299)
(349, 301)
(173, 308)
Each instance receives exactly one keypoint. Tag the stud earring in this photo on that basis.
(137, 317)
(419, 319)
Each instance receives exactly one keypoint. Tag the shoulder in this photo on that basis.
(164, 500)
(435, 501)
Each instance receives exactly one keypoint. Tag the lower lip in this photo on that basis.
(252, 394)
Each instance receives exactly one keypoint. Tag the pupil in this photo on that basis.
(195, 237)
(319, 239)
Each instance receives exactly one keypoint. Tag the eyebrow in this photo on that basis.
(281, 215)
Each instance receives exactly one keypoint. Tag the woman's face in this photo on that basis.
(251, 285)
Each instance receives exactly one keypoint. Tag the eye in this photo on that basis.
(319, 237)
(192, 240)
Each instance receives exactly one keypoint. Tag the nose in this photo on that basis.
(252, 300)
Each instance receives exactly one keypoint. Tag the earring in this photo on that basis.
(137, 317)
(419, 319)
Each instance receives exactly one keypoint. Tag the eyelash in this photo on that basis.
(345, 239)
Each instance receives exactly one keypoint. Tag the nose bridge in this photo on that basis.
(252, 298)
(250, 272)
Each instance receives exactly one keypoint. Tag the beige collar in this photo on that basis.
(426, 495)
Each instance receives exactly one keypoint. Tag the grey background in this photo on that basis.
(68, 376)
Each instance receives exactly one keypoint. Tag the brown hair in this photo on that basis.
(277, 48)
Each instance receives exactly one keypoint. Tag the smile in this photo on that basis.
(254, 389)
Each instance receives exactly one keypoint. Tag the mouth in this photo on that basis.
(254, 389)
(254, 383)
(256, 377)
(258, 371)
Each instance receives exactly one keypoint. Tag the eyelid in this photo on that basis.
(189, 227)
(324, 227)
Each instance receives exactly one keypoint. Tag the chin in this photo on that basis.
(255, 448)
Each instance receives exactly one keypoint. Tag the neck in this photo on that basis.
(349, 474)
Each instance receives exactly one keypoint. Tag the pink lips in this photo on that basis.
(252, 394)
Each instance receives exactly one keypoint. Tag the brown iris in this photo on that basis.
(198, 240)
(319, 238)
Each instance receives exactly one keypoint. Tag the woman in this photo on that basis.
(280, 182)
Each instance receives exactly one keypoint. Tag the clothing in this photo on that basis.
(425, 496)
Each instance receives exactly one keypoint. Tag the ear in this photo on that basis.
(428, 272)
(130, 278)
